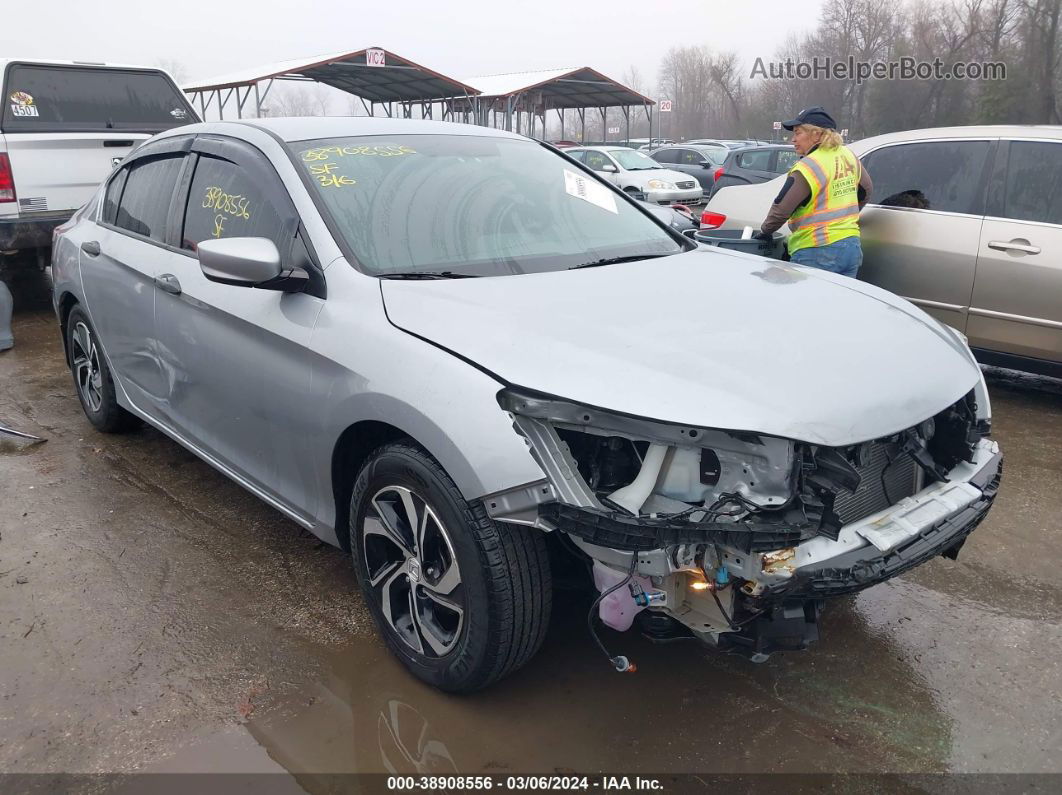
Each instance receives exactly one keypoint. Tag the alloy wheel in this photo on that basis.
(86, 363)
(412, 571)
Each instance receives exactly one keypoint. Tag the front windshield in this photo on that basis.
(715, 156)
(633, 160)
(471, 205)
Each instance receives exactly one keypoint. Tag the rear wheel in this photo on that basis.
(461, 600)
(92, 376)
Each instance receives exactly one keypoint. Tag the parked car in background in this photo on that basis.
(612, 383)
(700, 162)
(965, 222)
(753, 164)
(650, 143)
(635, 172)
(564, 144)
(63, 127)
(729, 144)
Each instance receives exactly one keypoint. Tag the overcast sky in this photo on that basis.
(460, 38)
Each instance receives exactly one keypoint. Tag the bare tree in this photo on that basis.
(176, 69)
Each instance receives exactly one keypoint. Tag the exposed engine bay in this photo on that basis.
(734, 537)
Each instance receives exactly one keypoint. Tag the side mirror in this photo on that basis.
(248, 262)
(611, 169)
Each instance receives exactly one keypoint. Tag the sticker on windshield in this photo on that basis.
(179, 113)
(589, 191)
(22, 104)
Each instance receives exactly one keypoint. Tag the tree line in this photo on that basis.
(715, 94)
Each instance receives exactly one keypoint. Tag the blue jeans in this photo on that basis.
(843, 257)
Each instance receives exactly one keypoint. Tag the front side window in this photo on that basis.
(944, 175)
(227, 201)
(691, 158)
(468, 204)
(633, 160)
(597, 160)
(1034, 182)
(40, 98)
(145, 202)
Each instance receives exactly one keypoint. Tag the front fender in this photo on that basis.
(368, 370)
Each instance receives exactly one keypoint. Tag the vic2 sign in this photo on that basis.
(375, 58)
(665, 106)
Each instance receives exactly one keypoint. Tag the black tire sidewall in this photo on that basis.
(404, 465)
(107, 418)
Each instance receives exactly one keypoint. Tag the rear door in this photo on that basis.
(921, 231)
(1017, 298)
(235, 358)
(67, 127)
(119, 266)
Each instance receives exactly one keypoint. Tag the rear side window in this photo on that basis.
(786, 160)
(113, 197)
(756, 161)
(1034, 182)
(667, 156)
(226, 201)
(145, 202)
(944, 175)
(80, 99)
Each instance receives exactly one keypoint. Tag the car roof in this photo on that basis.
(90, 64)
(758, 147)
(1049, 131)
(303, 128)
(608, 148)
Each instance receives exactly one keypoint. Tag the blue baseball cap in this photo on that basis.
(816, 116)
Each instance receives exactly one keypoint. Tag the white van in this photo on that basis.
(64, 126)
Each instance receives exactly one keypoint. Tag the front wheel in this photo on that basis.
(461, 600)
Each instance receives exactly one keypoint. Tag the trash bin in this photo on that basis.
(731, 238)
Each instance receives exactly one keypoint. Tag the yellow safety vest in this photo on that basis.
(832, 212)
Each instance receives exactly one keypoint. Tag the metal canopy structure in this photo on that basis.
(375, 75)
(382, 79)
(512, 98)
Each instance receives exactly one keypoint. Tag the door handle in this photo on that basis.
(1014, 245)
(91, 247)
(168, 283)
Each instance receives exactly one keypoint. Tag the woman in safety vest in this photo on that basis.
(821, 197)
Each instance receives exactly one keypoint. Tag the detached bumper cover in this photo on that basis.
(30, 232)
(853, 571)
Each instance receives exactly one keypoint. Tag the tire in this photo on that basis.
(468, 603)
(92, 376)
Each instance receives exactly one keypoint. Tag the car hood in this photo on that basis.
(658, 173)
(706, 338)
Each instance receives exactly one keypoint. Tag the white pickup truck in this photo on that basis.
(64, 125)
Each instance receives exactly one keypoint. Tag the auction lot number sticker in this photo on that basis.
(520, 783)
(22, 104)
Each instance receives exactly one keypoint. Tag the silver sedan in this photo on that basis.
(445, 349)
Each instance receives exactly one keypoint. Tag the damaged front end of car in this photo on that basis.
(734, 537)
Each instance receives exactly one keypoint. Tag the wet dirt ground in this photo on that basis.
(156, 617)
